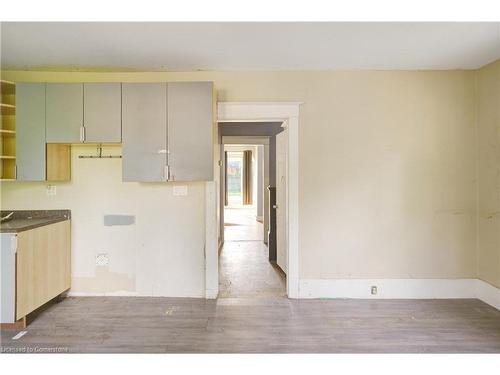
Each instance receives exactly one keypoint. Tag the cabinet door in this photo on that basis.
(30, 131)
(144, 127)
(64, 106)
(43, 266)
(190, 131)
(102, 112)
(58, 162)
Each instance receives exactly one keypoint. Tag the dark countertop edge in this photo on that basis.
(37, 214)
(48, 221)
(40, 218)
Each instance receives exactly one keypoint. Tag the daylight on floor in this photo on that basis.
(184, 187)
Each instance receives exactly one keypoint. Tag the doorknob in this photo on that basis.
(275, 206)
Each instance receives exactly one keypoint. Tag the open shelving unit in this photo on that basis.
(8, 131)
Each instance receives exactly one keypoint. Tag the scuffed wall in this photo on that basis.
(161, 254)
(387, 181)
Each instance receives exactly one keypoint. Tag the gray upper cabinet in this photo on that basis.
(102, 112)
(144, 131)
(190, 131)
(166, 129)
(30, 131)
(64, 112)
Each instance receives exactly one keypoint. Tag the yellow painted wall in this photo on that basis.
(387, 168)
(488, 122)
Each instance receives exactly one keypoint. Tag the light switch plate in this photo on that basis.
(180, 190)
(51, 190)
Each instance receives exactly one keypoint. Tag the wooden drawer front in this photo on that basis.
(43, 266)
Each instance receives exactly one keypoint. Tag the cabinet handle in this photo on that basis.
(167, 173)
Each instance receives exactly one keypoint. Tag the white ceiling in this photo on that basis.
(248, 46)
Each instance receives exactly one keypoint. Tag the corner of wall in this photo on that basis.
(476, 175)
(487, 164)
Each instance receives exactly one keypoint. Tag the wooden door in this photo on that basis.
(281, 200)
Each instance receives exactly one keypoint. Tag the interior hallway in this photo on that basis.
(244, 268)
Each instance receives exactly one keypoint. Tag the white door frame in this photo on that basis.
(287, 112)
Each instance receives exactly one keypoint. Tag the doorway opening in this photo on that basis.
(248, 258)
(243, 194)
(234, 176)
(255, 113)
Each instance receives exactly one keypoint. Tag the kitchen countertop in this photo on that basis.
(26, 220)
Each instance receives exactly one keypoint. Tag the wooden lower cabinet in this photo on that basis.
(43, 265)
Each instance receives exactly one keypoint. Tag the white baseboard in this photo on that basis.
(125, 294)
(387, 288)
(400, 288)
(488, 293)
(104, 294)
(211, 293)
(361, 288)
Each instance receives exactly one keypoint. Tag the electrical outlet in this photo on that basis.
(51, 190)
(374, 290)
(101, 259)
(180, 190)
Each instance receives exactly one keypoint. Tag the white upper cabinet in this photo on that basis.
(190, 130)
(83, 112)
(102, 104)
(168, 131)
(144, 132)
(64, 112)
(30, 126)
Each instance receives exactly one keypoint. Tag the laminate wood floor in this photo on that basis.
(260, 325)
